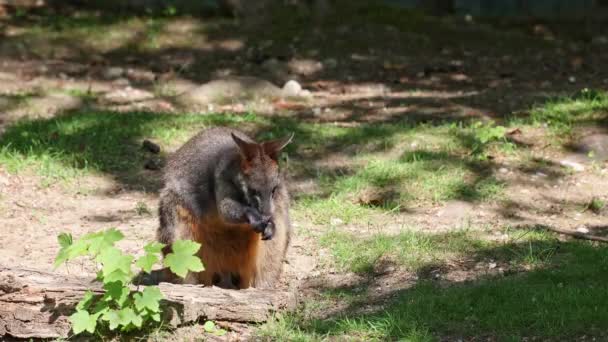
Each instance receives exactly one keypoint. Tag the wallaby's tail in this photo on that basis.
(167, 212)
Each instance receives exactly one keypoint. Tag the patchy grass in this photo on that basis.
(407, 164)
(561, 115)
(78, 143)
(417, 163)
(409, 248)
(561, 298)
(415, 250)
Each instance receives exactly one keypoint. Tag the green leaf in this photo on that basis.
(219, 332)
(209, 326)
(128, 316)
(117, 292)
(69, 250)
(122, 318)
(146, 262)
(86, 301)
(185, 247)
(83, 321)
(154, 247)
(155, 316)
(118, 276)
(182, 259)
(65, 240)
(99, 242)
(61, 257)
(112, 318)
(112, 259)
(148, 299)
(78, 248)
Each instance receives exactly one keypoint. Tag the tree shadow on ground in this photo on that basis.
(110, 143)
(560, 298)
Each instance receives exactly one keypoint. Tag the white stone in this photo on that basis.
(292, 88)
(578, 167)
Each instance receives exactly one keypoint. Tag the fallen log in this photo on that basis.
(37, 304)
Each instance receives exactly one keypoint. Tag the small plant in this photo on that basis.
(211, 328)
(596, 205)
(485, 134)
(120, 308)
(141, 208)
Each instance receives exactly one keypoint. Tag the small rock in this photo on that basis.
(316, 111)
(113, 73)
(492, 265)
(503, 170)
(572, 79)
(582, 229)
(540, 174)
(292, 88)
(573, 165)
(334, 221)
(150, 146)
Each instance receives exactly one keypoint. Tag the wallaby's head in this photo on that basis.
(260, 171)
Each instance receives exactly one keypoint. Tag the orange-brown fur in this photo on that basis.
(232, 248)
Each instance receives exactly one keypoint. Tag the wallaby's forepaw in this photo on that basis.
(268, 232)
(261, 224)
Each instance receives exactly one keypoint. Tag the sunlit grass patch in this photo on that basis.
(563, 113)
(561, 297)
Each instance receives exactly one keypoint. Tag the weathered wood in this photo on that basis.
(36, 304)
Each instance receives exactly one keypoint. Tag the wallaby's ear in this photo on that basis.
(248, 150)
(273, 147)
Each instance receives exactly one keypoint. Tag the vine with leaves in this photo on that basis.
(119, 308)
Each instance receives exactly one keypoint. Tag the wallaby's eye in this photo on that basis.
(274, 190)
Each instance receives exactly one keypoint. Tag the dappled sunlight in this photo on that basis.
(432, 160)
(498, 300)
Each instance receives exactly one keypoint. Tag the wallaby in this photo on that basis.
(226, 191)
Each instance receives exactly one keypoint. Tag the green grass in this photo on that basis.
(414, 250)
(441, 167)
(563, 297)
(81, 143)
(408, 248)
(407, 163)
(562, 114)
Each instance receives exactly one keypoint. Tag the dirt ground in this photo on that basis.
(383, 77)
